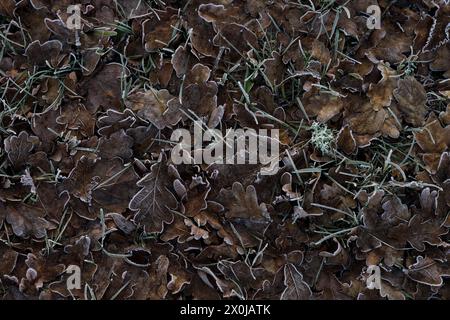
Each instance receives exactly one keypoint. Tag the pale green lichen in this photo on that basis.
(322, 138)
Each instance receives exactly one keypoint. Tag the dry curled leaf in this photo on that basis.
(425, 271)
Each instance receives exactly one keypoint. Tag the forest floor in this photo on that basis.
(94, 205)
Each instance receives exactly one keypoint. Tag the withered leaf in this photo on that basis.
(381, 93)
(426, 271)
(122, 223)
(421, 232)
(7, 7)
(152, 105)
(411, 97)
(82, 180)
(158, 31)
(325, 106)
(9, 259)
(439, 33)
(38, 54)
(19, 148)
(154, 202)
(104, 88)
(346, 141)
(243, 203)
(442, 60)
(433, 138)
(77, 118)
(114, 121)
(27, 221)
(296, 287)
(117, 145)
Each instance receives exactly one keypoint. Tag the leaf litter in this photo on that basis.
(86, 177)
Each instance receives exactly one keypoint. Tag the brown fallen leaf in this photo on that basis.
(154, 202)
(27, 221)
(411, 97)
(152, 105)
